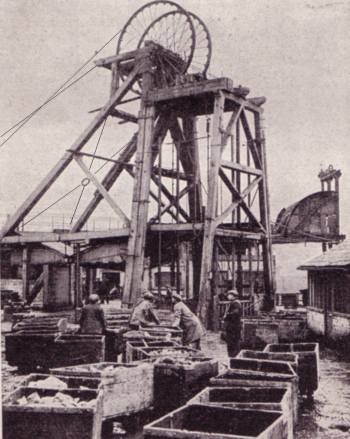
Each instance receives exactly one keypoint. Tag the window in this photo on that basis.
(342, 293)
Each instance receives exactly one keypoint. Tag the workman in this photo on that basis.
(232, 323)
(92, 320)
(143, 314)
(103, 291)
(188, 322)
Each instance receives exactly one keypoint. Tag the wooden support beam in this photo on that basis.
(62, 164)
(102, 191)
(120, 114)
(35, 290)
(239, 198)
(231, 123)
(139, 211)
(172, 173)
(239, 234)
(173, 227)
(84, 236)
(265, 215)
(241, 168)
(25, 272)
(187, 149)
(190, 89)
(195, 197)
(170, 197)
(108, 61)
(250, 141)
(248, 104)
(77, 277)
(176, 200)
(107, 182)
(204, 299)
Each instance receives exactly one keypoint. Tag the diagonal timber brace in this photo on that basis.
(107, 182)
(62, 164)
(239, 200)
(102, 191)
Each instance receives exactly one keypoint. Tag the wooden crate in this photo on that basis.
(309, 359)
(258, 332)
(127, 388)
(74, 349)
(164, 331)
(141, 350)
(277, 399)
(290, 358)
(151, 353)
(31, 350)
(73, 382)
(260, 373)
(212, 422)
(43, 421)
(114, 343)
(175, 384)
(130, 347)
(42, 323)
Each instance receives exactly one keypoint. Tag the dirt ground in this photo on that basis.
(327, 417)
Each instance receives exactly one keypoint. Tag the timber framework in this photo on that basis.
(210, 204)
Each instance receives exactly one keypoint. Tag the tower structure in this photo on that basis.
(210, 201)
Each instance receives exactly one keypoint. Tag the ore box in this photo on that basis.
(210, 422)
(260, 373)
(127, 388)
(175, 384)
(79, 348)
(290, 358)
(30, 350)
(308, 354)
(43, 421)
(72, 382)
(150, 353)
(256, 398)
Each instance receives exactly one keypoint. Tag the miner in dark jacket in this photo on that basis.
(232, 323)
(92, 320)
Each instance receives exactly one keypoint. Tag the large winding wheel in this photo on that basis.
(183, 36)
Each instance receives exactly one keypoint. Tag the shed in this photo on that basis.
(329, 292)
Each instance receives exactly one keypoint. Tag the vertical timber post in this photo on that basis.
(194, 196)
(139, 212)
(204, 300)
(25, 273)
(77, 274)
(265, 216)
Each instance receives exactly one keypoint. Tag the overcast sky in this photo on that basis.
(296, 53)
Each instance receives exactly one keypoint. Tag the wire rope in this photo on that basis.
(60, 89)
(46, 102)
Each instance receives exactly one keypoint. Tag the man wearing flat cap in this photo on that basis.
(143, 314)
(232, 323)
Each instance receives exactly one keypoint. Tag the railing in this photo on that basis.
(247, 307)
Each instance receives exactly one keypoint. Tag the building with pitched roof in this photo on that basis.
(329, 292)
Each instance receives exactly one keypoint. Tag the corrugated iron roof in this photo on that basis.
(337, 257)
